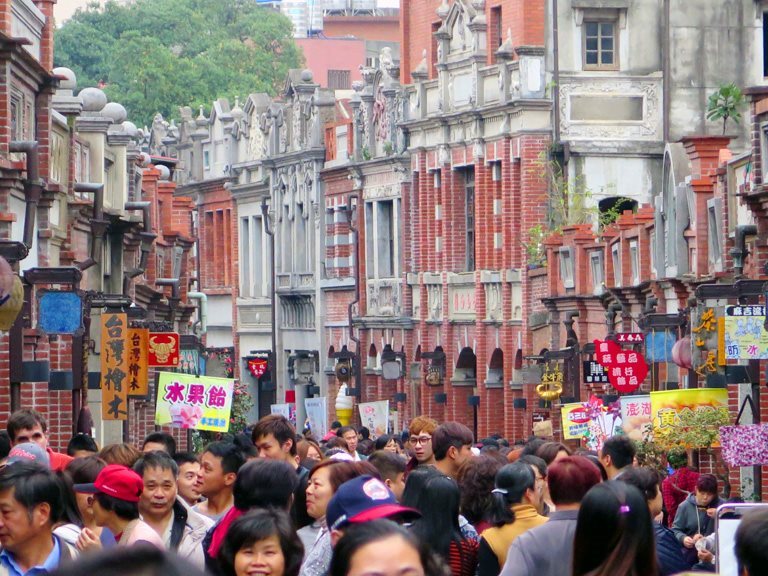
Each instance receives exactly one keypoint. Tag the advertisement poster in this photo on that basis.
(198, 402)
(114, 366)
(745, 337)
(288, 410)
(667, 404)
(317, 415)
(636, 415)
(374, 416)
(590, 421)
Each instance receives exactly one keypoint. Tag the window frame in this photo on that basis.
(567, 272)
(616, 261)
(600, 66)
(597, 263)
(470, 221)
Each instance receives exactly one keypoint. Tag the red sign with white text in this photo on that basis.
(626, 369)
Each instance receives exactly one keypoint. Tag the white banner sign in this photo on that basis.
(317, 415)
(375, 416)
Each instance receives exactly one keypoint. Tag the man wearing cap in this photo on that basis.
(181, 529)
(363, 499)
(30, 504)
(116, 506)
(27, 425)
(30, 453)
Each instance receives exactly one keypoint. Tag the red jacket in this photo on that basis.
(59, 461)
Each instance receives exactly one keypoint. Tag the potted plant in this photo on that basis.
(724, 104)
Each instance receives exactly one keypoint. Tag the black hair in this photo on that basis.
(259, 525)
(750, 549)
(244, 442)
(532, 446)
(335, 424)
(122, 508)
(596, 461)
(33, 485)
(364, 432)
(156, 459)
(85, 470)
(450, 434)
(381, 442)
(185, 458)
(621, 450)
(614, 533)
(415, 482)
(5, 444)
(141, 558)
(438, 503)
(81, 442)
(25, 419)
(536, 462)
(278, 426)
(161, 438)
(343, 430)
(388, 464)
(375, 531)
(232, 458)
(70, 513)
(646, 480)
(512, 482)
(265, 483)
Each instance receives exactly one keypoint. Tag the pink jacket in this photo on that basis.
(140, 531)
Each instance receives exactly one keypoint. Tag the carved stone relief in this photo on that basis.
(434, 302)
(493, 304)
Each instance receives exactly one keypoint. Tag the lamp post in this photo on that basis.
(268, 215)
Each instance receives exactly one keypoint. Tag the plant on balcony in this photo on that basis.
(536, 255)
(724, 104)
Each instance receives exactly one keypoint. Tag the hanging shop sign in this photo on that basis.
(114, 367)
(138, 362)
(258, 366)
(594, 373)
(659, 346)
(197, 402)
(551, 387)
(745, 337)
(704, 341)
(630, 337)
(60, 312)
(626, 369)
(164, 349)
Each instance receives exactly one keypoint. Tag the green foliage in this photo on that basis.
(156, 55)
(534, 249)
(725, 103)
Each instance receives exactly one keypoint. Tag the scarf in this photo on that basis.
(221, 529)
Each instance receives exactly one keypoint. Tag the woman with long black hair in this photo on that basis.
(438, 502)
(614, 535)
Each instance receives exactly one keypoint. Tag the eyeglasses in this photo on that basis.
(420, 439)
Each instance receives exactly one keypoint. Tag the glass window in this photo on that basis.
(600, 45)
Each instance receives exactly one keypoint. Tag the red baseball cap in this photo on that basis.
(116, 481)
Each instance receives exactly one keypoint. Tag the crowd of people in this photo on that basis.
(430, 502)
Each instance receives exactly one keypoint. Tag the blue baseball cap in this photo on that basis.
(363, 499)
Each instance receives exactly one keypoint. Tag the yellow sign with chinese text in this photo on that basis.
(114, 366)
(667, 405)
(198, 402)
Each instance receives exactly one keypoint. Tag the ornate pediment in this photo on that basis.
(463, 30)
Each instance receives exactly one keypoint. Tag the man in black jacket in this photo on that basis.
(275, 438)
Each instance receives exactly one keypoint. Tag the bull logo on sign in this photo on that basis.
(162, 350)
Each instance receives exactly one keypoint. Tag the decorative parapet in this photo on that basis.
(384, 297)
(612, 107)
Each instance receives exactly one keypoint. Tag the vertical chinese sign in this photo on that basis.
(114, 366)
(138, 369)
(189, 401)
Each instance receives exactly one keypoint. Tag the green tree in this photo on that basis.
(156, 55)
(725, 103)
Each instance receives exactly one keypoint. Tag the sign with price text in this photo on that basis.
(745, 336)
(198, 402)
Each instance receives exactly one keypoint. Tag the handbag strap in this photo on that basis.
(747, 400)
